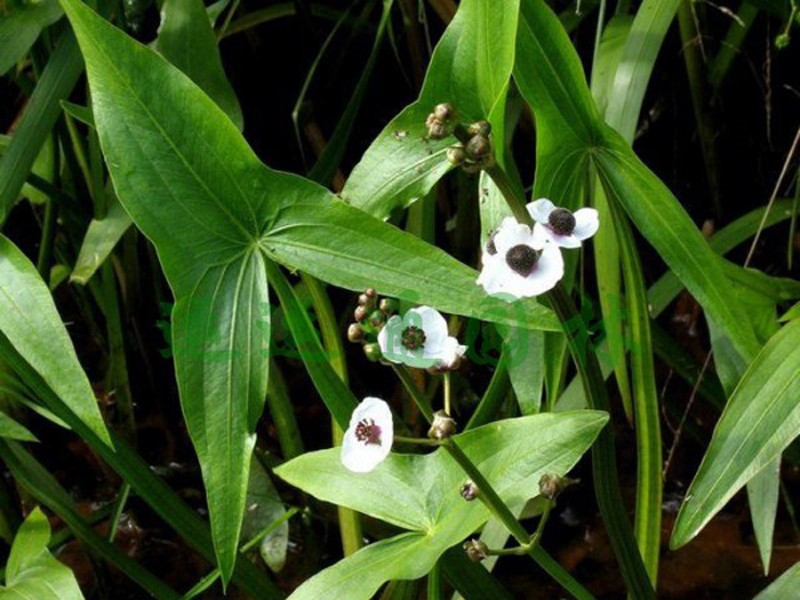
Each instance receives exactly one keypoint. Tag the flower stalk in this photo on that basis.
(604, 470)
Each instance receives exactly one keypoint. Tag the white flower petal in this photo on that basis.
(389, 339)
(493, 273)
(451, 352)
(540, 210)
(544, 232)
(362, 456)
(510, 235)
(586, 223)
(435, 327)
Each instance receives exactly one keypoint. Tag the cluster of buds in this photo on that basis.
(370, 316)
(473, 151)
(439, 123)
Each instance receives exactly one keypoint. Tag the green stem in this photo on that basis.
(48, 228)
(448, 393)
(414, 392)
(604, 471)
(414, 440)
(514, 195)
(282, 411)
(690, 38)
(494, 395)
(119, 506)
(435, 583)
(349, 521)
(492, 500)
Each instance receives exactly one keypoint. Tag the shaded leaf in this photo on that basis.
(30, 321)
(31, 571)
(761, 418)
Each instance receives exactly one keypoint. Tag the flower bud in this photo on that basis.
(388, 306)
(442, 427)
(372, 352)
(360, 313)
(444, 112)
(482, 128)
(355, 333)
(476, 550)
(469, 491)
(478, 148)
(370, 293)
(376, 318)
(551, 485)
(364, 300)
(456, 154)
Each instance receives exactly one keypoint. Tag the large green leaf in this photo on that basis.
(194, 187)
(469, 69)
(570, 131)
(30, 321)
(187, 40)
(761, 418)
(20, 26)
(31, 571)
(421, 493)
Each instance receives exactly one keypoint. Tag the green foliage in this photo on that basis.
(31, 571)
(156, 147)
(42, 340)
(421, 494)
(759, 421)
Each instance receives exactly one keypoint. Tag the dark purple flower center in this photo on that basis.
(522, 259)
(368, 432)
(561, 221)
(412, 337)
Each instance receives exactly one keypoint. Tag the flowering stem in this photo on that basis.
(515, 197)
(414, 392)
(604, 469)
(494, 503)
(414, 440)
(447, 393)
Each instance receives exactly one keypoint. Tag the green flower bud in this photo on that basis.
(376, 318)
(373, 352)
(388, 306)
(782, 41)
(456, 154)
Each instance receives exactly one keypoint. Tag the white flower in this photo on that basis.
(420, 339)
(369, 436)
(565, 228)
(519, 264)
